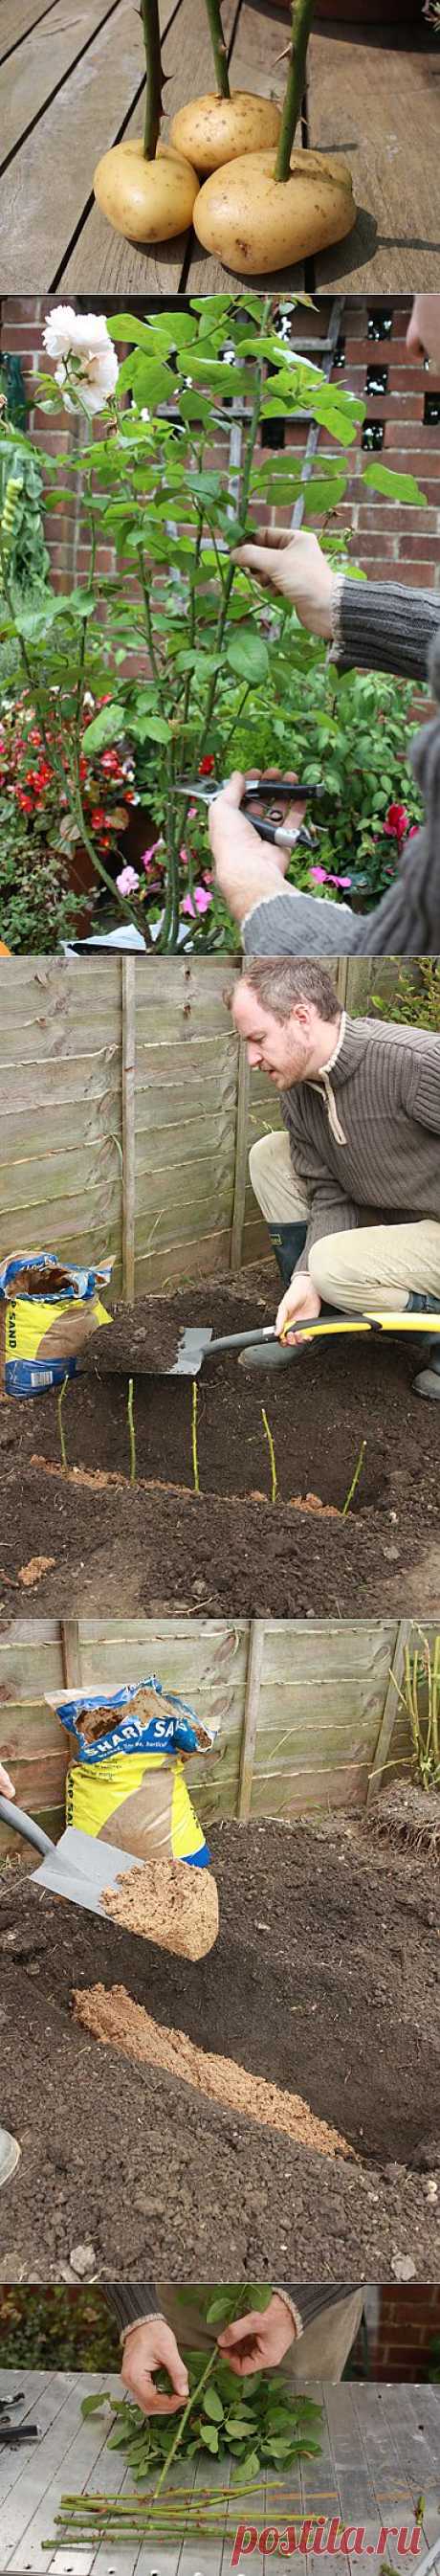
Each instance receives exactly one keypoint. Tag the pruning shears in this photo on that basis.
(265, 791)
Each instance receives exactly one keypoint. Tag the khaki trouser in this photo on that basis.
(369, 1265)
(320, 2353)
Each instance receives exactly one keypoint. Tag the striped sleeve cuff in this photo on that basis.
(131, 2305)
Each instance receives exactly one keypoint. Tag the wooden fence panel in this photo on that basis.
(128, 1113)
(300, 1705)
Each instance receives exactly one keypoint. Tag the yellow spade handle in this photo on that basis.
(402, 1323)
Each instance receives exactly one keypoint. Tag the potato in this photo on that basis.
(147, 201)
(213, 130)
(256, 223)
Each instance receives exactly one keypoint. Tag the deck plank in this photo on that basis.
(380, 107)
(58, 43)
(47, 187)
(17, 19)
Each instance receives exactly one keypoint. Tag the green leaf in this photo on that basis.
(399, 487)
(324, 493)
(105, 728)
(194, 406)
(221, 2310)
(209, 2436)
(248, 656)
(239, 2425)
(156, 728)
(151, 381)
(128, 326)
(277, 2448)
(212, 2405)
(94, 2405)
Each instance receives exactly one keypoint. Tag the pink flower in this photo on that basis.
(323, 876)
(396, 822)
(128, 882)
(148, 855)
(201, 903)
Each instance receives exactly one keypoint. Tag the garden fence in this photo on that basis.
(128, 1111)
(309, 1716)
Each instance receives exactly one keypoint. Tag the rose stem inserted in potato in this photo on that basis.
(259, 214)
(302, 15)
(146, 188)
(219, 127)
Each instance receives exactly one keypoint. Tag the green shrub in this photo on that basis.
(416, 1001)
(57, 2329)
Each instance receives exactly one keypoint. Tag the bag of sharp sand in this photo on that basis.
(125, 1785)
(47, 1311)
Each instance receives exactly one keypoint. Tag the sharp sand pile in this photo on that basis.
(169, 1902)
(112, 2016)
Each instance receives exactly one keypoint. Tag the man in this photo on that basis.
(306, 2330)
(381, 626)
(351, 1190)
(10, 2151)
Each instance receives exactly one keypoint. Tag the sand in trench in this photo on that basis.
(169, 1902)
(112, 2016)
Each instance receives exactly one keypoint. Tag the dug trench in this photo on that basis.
(325, 1980)
(165, 1547)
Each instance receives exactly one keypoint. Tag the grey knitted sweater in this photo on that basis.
(381, 626)
(141, 2300)
(365, 1136)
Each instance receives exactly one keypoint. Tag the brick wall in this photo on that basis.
(400, 2332)
(383, 537)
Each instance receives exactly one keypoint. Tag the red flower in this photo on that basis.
(35, 737)
(83, 767)
(98, 818)
(396, 822)
(207, 765)
(110, 761)
(25, 802)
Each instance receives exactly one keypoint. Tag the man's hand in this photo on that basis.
(150, 2347)
(291, 562)
(259, 2341)
(6, 1785)
(247, 870)
(301, 1305)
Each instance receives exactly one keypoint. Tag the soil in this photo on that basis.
(324, 1981)
(167, 1902)
(159, 1545)
(116, 2021)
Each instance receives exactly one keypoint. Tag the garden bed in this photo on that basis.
(324, 1981)
(161, 1546)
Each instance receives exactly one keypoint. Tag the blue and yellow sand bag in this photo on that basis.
(48, 1308)
(126, 1785)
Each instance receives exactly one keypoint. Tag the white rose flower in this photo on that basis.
(84, 338)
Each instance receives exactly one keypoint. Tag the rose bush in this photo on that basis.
(175, 650)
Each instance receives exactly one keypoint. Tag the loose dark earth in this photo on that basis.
(161, 1546)
(325, 1979)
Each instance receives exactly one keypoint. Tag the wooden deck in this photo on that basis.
(380, 2454)
(71, 74)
